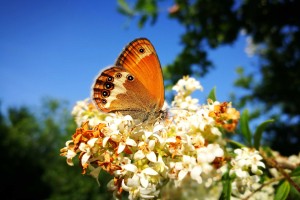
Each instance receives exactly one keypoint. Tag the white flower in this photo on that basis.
(246, 160)
(209, 153)
(79, 110)
(145, 151)
(93, 122)
(187, 84)
(241, 185)
(70, 155)
(80, 107)
(151, 156)
(139, 185)
(87, 148)
(187, 166)
(130, 168)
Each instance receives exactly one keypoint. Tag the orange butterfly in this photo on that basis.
(134, 85)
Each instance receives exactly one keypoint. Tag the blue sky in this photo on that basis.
(56, 48)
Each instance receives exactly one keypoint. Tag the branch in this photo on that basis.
(263, 185)
(279, 166)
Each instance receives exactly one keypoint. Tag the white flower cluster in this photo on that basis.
(184, 88)
(294, 159)
(84, 111)
(187, 85)
(143, 157)
(246, 167)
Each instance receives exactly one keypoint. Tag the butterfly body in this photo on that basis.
(134, 85)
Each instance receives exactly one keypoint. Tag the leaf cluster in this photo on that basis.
(30, 139)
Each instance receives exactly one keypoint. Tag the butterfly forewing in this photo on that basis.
(139, 58)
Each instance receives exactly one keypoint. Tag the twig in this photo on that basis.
(263, 185)
(273, 163)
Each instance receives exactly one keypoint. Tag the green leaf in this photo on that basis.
(212, 94)
(124, 8)
(245, 127)
(282, 191)
(296, 172)
(259, 131)
(226, 181)
(142, 21)
(235, 144)
(294, 193)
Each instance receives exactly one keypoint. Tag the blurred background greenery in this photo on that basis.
(32, 137)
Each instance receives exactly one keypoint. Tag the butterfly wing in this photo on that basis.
(134, 85)
(116, 90)
(140, 59)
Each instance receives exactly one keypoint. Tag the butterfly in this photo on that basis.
(133, 85)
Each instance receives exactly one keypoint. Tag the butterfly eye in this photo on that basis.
(118, 75)
(141, 50)
(108, 85)
(105, 93)
(110, 79)
(130, 77)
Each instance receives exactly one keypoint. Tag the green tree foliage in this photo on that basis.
(274, 27)
(31, 167)
(20, 164)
